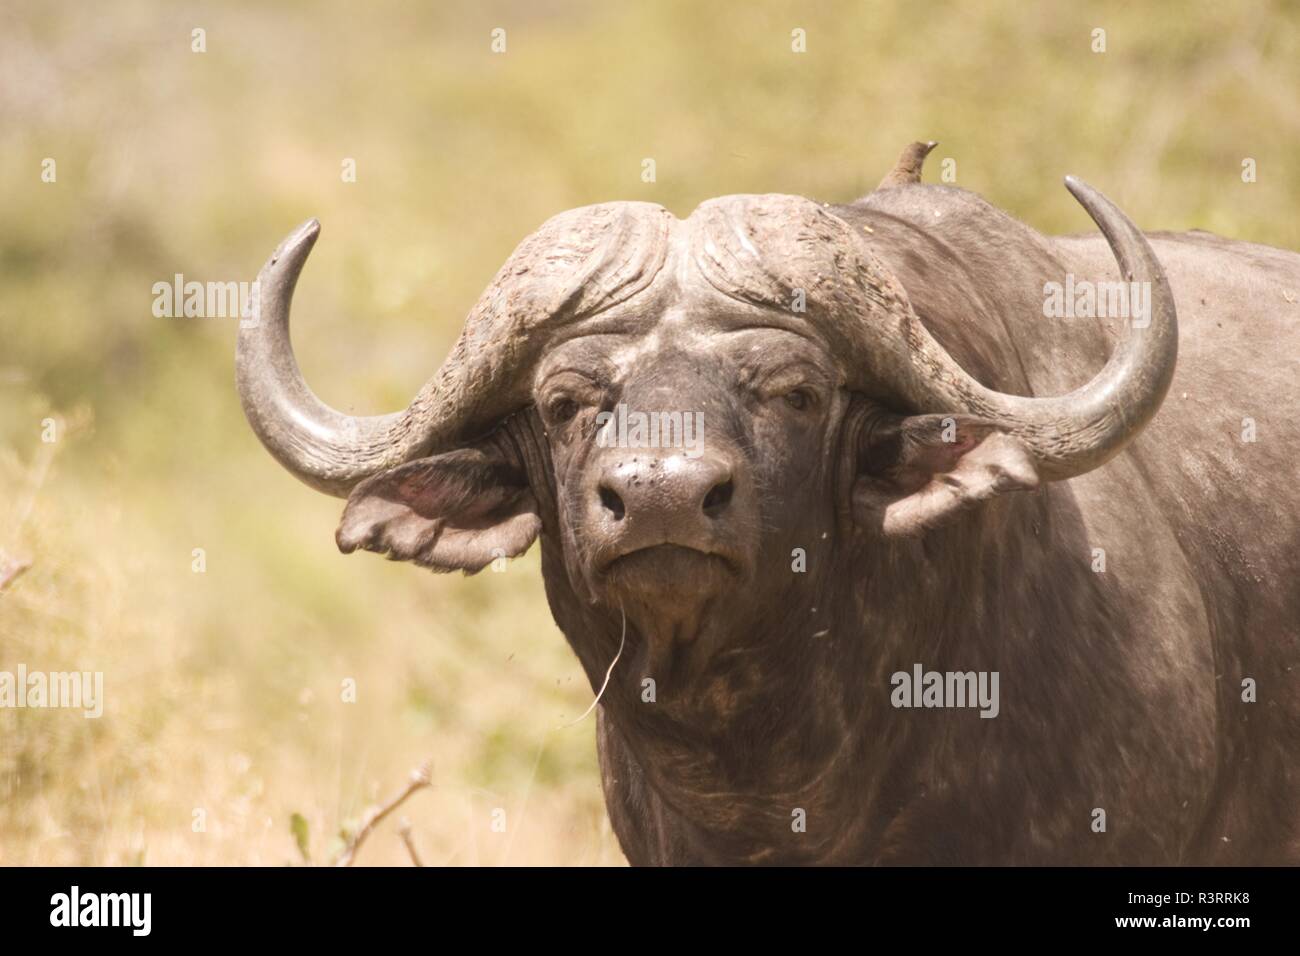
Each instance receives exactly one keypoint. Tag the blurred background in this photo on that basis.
(224, 688)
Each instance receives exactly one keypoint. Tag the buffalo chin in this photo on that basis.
(668, 590)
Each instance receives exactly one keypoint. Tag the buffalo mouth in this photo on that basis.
(673, 595)
(672, 563)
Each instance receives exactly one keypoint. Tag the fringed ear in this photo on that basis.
(925, 470)
(456, 511)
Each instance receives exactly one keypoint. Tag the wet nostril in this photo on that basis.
(716, 501)
(612, 502)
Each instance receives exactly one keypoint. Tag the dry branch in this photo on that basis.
(421, 777)
(10, 569)
(404, 831)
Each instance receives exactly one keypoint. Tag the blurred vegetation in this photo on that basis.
(223, 688)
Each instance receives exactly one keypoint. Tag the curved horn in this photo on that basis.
(1073, 433)
(327, 449)
(577, 264)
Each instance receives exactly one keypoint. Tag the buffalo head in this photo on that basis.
(797, 396)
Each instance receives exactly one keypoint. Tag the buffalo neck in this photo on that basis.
(784, 746)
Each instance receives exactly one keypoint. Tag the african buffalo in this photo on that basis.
(898, 479)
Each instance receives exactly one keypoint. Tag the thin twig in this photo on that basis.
(528, 789)
(601, 693)
(404, 831)
(10, 570)
(421, 777)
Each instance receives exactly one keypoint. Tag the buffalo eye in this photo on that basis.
(799, 399)
(561, 410)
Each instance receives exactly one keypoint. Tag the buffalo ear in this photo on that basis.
(455, 511)
(921, 472)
